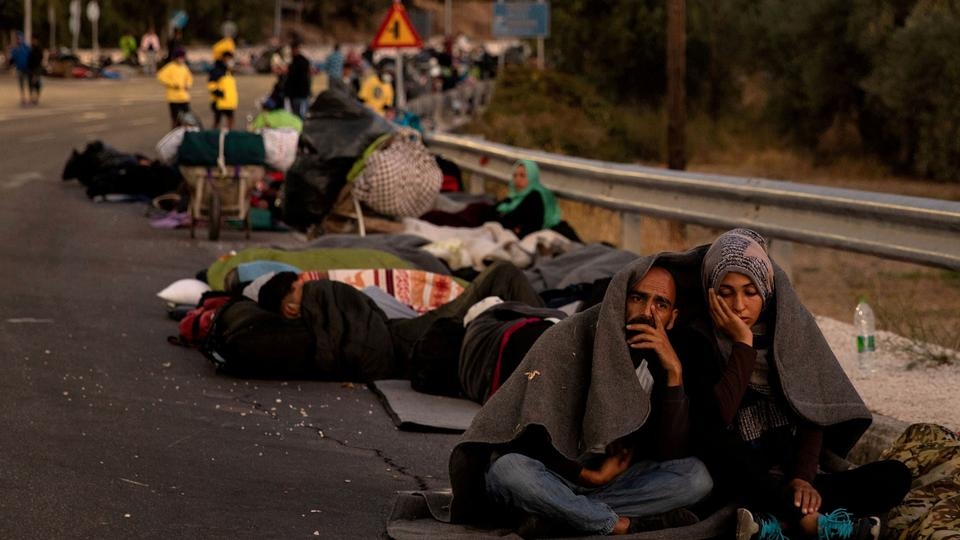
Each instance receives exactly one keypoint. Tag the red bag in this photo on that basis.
(196, 324)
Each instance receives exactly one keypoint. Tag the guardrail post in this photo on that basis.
(781, 251)
(645, 235)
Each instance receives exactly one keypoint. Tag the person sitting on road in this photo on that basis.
(590, 435)
(177, 79)
(529, 207)
(780, 400)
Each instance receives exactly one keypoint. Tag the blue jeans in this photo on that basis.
(299, 106)
(646, 488)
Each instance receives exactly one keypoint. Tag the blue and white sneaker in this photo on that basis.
(759, 527)
(841, 525)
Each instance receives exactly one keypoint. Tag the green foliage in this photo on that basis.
(915, 82)
(620, 45)
(561, 113)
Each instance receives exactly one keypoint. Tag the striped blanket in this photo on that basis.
(423, 291)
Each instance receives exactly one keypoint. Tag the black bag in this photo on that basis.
(338, 126)
(435, 359)
(311, 188)
(249, 341)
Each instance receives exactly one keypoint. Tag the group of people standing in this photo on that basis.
(700, 382)
(176, 77)
(27, 59)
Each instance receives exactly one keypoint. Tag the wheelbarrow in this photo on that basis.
(220, 192)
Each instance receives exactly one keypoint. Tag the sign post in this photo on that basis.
(52, 19)
(28, 21)
(523, 20)
(75, 23)
(93, 13)
(397, 32)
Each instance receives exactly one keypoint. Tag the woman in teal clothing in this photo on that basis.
(530, 206)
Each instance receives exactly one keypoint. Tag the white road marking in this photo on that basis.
(19, 180)
(96, 128)
(38, 138)
(92, 115)
(29, 320)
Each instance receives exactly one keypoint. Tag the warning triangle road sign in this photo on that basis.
(396, 30)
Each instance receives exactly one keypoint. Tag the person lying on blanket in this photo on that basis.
(348, 324)
(591, 434)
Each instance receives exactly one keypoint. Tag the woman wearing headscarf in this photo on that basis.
(529, 207)
(781, 403)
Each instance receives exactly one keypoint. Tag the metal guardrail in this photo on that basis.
(912, 229)
(453, 107)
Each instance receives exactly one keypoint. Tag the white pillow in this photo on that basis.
(184, 291)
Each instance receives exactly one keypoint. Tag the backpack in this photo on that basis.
(195, 326)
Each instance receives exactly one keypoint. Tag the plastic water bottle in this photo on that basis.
(864, 324)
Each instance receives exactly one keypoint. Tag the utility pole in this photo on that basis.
(52, 19)
(541, 60)
(28, 21)
(676, 93)
(277, 19)
(448, 18)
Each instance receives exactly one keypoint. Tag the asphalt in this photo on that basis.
(110, 432)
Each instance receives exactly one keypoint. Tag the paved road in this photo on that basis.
(108, 431)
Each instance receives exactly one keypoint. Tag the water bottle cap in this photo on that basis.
(862, 299)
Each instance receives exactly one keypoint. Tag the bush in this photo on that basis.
(915, 82)
(561, 113)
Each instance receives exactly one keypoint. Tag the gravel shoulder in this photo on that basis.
(899, 388)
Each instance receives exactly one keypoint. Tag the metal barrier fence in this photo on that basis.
(912, 229)
(449, 109)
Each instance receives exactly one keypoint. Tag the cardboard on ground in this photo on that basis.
(396, 30)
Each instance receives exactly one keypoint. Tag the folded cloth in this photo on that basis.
(423, 291)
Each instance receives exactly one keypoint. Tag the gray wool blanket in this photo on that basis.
(811, 378)
(576, 391)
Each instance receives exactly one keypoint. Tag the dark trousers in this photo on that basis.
(742, 474)
(499, 279)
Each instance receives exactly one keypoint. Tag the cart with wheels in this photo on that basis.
(220, 192)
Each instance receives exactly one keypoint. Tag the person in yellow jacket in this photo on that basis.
(377, 92)
(224, 46)
(176, 77)
(223, 91)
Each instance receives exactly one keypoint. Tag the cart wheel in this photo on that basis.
(215, 210)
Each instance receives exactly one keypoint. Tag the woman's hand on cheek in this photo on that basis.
(727, 321)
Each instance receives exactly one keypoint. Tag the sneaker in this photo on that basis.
(759, 527)
(841, 525)
(680, 517)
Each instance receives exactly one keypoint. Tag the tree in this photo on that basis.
(915, 84)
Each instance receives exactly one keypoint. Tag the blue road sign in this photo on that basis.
(521, 19)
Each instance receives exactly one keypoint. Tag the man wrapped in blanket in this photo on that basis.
(591, 435)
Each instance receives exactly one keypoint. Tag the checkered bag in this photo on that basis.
(401, 178)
